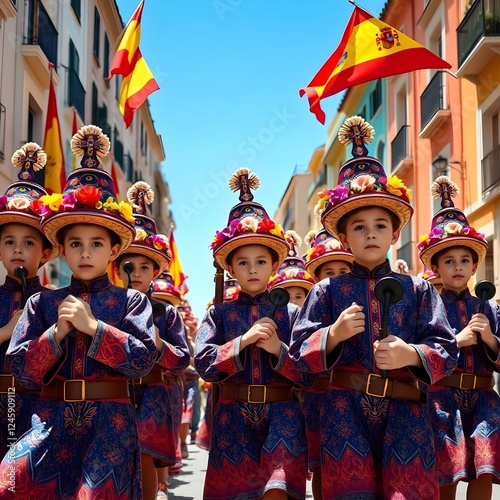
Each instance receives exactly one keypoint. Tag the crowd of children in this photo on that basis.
(329, 366)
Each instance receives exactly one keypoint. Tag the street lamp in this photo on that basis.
(441, 166)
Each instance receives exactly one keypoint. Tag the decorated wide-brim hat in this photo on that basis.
(362, 182)
(20, 202)
(450, 227)
(248, 223)
(231, 290)
(147, 241)
(292, 272)
(165, 290)
(187, 314)
(324, 248)
(89, 196)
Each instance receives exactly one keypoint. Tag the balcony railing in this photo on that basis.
(399, 147)
(406, 253)
(482, 19)
(76, 92)
(490, 170)
(41, 31)
(431, 100)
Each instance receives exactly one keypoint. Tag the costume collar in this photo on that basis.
(95, 285)
(452, 295)
(378, 272)
(262, 298)
(31, 284)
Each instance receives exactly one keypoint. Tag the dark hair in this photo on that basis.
(272, 252)
(61, 234)
(125, 256)
(342, 223)
(437, 255)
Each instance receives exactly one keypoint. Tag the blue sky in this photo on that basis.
(229, 72)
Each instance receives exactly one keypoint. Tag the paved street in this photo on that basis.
(188, 485)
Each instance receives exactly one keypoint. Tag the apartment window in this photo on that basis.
(381, 151)
(76, 6)
(105, 70)
(97, 33)
(376, 97)
(76, 92)
(95, 107)
(489, 263)
(118, 86)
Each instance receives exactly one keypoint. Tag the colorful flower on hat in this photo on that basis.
(126, 211)
(88, 196)
(396, 186)
(19, 203)
(52, 201)
(363, 183)
(158, 241)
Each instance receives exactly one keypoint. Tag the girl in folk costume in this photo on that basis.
(148, 254)
(82, 343)
(292, 274)
(325, 259)
(231, 291)
(464, 407)
(258, 438)
(375, 436)
(23, 249)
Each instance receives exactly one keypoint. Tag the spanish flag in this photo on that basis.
(175, 268)
(55, 170)
(138, 81)
(370, 49)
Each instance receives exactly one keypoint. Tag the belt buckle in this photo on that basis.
(12, 382)
(82, 392)
(467, 376)
(249, 394)
(369, 381)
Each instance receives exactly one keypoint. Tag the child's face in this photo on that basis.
(252, 266)
(87, 249)
(297, 295)
(369, 235)
(22, 245)
(455, 267)
(333, 268)
(143, 274)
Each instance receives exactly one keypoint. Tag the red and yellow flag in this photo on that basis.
(55, 170)
(369, 49)
(175, 268)
(138, 81)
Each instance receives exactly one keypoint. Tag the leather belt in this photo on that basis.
(467, 381)
(373, 384)
(155, 377)
(76, 390)
(245, 393)
(9, 385)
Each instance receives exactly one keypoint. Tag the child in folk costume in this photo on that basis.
(464, 407)
(375, 436)
(292, 273)
(326, 258)
(230, 292)
(148, 254)
(166, 292)
(23, 248)
(258, 439)
(82, 343)
(429, 275)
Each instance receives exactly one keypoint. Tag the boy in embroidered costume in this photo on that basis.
(149, 253)
(81, 344)
(326, 258)
(23, 248)
(292, 274)
(376, 440)
(464, 407)
(258, 438)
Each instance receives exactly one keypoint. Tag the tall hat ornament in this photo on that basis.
(450, 227)
(362, 182)
(292, 272)
(324, 248)
(147, 241)
(89, 195)
(165, 290)
(19, 204)
(248, 222)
